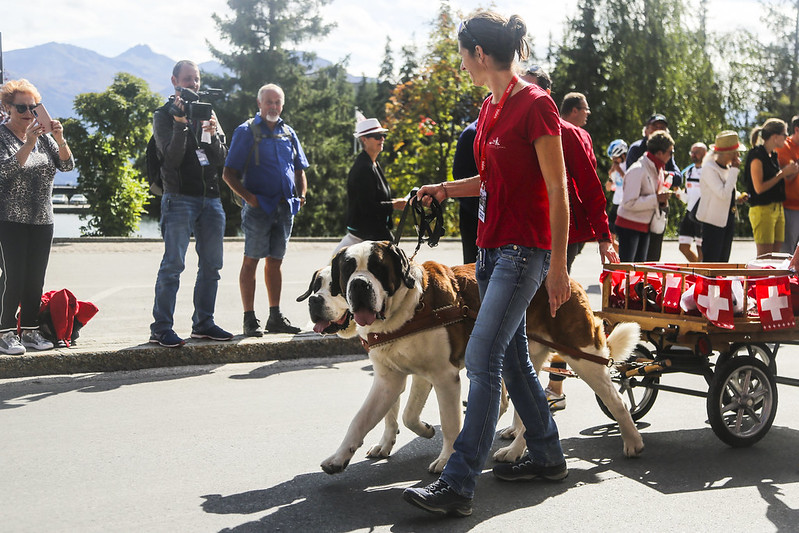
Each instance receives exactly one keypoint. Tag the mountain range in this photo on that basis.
(62, 71)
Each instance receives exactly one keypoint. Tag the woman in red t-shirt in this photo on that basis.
(522, 233)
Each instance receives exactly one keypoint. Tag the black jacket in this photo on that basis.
(177, 145)
(369, 205)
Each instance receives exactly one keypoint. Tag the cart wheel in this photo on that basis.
(760, 351)
(742, 401)
(636, 391)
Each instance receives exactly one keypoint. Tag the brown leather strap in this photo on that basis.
(571, 352)
(423, 319)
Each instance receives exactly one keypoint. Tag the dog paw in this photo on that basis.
(437, 466)
(634, 450)
(380, 451)
(509, 433)
(508, 454)
(423, 429)
(332, 465)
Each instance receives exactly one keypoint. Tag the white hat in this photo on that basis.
(365, 127)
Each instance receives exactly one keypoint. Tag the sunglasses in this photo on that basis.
(462, 28)
(376, 136)
(21, 108)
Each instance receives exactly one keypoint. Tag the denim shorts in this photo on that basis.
(266, 234)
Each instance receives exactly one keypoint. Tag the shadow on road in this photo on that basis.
(368, 493)
(281, 367)
(26, 391)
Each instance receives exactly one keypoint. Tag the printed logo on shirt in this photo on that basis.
(495, 143)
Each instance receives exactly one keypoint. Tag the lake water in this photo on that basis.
(67, 225)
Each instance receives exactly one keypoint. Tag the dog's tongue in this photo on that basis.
(364, 317)
(321, 326)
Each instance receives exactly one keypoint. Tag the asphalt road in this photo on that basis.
(237, 447)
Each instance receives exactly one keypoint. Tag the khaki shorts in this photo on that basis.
(768, 223)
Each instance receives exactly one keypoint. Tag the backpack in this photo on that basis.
(257, 136)
(153, 163)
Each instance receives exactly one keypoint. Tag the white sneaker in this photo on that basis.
(10, 345)
(556, 401)
(31, 338)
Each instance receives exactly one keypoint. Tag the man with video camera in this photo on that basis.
(191, 148)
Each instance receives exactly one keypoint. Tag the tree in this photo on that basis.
(779, 60)
(427, 112)
(110, 134)
(633, 58)
(410, 65)
(319, 101)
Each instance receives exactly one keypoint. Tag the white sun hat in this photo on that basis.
(370, 125)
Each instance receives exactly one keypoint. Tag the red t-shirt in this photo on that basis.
(517, 210)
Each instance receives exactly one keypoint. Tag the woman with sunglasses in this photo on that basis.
(29, 159)
(521, 236)
(369, 201)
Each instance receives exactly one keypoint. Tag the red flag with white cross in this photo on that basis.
(672, 292)
(714, 300)
(774, 303)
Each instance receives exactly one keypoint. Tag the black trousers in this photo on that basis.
(24, 253)
(655, 246)
(468, 227)
(717, 241)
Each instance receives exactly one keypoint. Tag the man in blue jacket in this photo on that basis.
(266, 168)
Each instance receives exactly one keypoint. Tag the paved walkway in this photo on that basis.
(119, 275)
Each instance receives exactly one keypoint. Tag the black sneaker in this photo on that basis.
(168, 338)
(440, 498)
(280, 324)
(526, 470)
(215, 333)
(252, 326)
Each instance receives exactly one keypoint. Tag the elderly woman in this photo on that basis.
(645, 193)
(29, 159)
(765, 183)
(716, 208)
(369, 201)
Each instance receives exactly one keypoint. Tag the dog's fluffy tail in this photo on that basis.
(623, 339)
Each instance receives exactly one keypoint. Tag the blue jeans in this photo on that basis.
(508, 278)
(182, 216)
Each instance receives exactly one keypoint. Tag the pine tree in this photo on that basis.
(319, 101)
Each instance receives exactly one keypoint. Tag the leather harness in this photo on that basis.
(424, 318)
(571, 352)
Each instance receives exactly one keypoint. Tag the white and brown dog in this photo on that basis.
(375, 286)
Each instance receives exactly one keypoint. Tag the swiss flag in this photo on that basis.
(774, 303)
(714, 300)
(671, 293)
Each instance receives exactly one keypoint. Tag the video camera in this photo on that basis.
(193, 109)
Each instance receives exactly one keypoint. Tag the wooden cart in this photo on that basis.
(738, 365)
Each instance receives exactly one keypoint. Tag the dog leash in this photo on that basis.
(422, 221)
(570, 351)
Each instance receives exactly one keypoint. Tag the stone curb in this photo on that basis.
(239, 350)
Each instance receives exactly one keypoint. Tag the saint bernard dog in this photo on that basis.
(372, 290)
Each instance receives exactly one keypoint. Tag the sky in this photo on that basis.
(181, 29)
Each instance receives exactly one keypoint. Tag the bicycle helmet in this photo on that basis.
(617, 148)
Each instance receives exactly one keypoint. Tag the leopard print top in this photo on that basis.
(26, 191)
